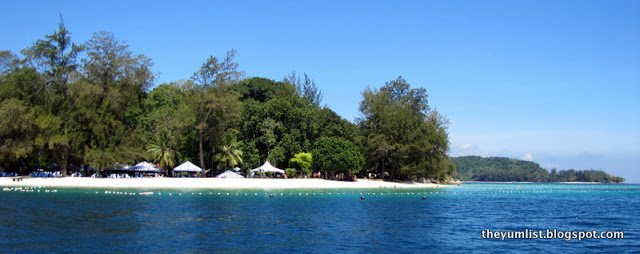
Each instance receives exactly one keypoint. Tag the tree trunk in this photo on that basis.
(65, 160)
(201, 153)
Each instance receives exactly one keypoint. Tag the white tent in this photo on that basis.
(187, 167)
(229, 174)
(144, 167)
(267, 167)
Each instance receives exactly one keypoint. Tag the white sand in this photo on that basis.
(208, 183)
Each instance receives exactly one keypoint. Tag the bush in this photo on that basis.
(291, 172)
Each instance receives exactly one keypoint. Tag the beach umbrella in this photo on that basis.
(267, 167)
(187, 167)
(144, 167)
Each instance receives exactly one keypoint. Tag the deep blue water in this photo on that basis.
(449, 220)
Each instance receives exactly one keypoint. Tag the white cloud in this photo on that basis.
(527, 157)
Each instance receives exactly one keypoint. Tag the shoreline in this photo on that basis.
(513, 182)
(211, 183)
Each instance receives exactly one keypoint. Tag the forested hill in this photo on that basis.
(476, 168)
(94, 106)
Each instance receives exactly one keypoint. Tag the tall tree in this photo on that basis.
(306, 88)
(16, 131)
(212, 101)
(337, 155)
(108, 101)
(8, 61)
(166, 109)
(216, 72)
(250, 155)
(401, 135)
(56, 57)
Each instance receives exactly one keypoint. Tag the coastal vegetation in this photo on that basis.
(499, 169)
(401, 135)
(96, 105)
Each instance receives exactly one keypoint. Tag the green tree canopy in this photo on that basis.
(337, 155)
(302, 161)
(401, 135)
(162, 150)
(230, 153)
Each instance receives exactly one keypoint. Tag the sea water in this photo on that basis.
(441, 220)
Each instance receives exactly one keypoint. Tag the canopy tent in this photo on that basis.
(143, 167)
(229, 174)
(267, 167)
(187, 167)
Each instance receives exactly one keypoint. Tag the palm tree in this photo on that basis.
(162, 151)
(230, 154)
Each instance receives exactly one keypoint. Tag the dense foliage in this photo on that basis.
(95, 105)
(302, 161)
(475, 168)
(337, 155)
(64, 110)
(402, 137)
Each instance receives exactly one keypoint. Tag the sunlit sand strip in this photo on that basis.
(210, 183)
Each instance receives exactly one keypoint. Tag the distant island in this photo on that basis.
(501, 169)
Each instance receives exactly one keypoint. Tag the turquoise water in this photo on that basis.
(303, 221)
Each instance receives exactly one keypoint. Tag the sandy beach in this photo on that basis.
(209, 183)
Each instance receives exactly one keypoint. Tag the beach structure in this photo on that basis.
(144, 167)
(229, 174)
(267, 168)
(187, 168)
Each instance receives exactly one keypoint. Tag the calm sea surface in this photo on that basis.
(303, 221)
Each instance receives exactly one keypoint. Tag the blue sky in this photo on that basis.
(557, 82)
